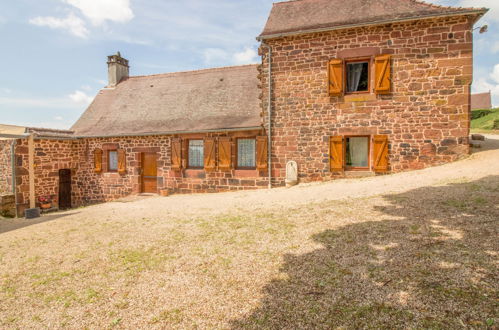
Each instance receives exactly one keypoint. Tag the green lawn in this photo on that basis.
(484, 120)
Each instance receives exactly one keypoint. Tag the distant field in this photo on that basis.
(485, 120)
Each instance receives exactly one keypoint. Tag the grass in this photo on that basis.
(485, 120)
(421, 259)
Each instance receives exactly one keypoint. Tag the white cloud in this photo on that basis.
(58, 118)
(99, 11)
(495, 74)
(219, 56)
(215, 55)
(6, 90)
(81, 97)
(248, 56)
(71, 23)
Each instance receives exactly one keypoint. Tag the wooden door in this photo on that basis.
(149, 173)
(64, 189)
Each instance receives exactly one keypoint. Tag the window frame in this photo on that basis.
(369, 74)
(369, 156)
(237, 153)
(109, 161)
(189, 167)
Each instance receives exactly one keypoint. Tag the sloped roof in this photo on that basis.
(211, 99)
(13, 131)
(481, 101)
(296, 16)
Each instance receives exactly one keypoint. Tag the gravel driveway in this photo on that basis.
(416, 249)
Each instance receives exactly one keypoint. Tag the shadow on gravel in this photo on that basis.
(7, 225)
(434, 267)
(491, 143)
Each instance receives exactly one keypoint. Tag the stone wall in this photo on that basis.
(5, 167)
(50, 157)
(7, 206)
(89, 187)
(426, 117)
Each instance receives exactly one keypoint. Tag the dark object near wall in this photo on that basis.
(32, 213)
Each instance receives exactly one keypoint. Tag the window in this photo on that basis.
(357, 76)
(196, 154)
(112, 161)
(357, 152)
(246, 155)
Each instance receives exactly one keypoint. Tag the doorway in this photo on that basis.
(149, 173)
(357, 153)
(64, 189)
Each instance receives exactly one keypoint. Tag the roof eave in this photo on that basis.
(217, 130)
(478, 12)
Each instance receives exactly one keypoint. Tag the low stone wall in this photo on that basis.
(7, 206)
(5, 167)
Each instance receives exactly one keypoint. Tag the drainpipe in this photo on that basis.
(269, 111)
(14, 175)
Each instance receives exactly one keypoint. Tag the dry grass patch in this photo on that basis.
(426, 258)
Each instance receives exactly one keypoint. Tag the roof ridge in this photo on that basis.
(222, 68)
(420, 2)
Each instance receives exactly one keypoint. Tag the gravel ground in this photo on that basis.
(416, 249)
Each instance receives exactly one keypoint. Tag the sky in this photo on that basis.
(53, 52)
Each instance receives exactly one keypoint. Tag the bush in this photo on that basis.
(476, 114)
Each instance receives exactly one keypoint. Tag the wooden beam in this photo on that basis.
(31, 160)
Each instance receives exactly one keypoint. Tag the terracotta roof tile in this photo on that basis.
(305, 15)
(211, 99)
(481, 101)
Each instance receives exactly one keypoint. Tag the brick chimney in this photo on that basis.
(117, 69)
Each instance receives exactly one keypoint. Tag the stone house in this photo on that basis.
(481, 101)
(372, 87)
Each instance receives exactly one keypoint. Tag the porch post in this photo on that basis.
(31, 161)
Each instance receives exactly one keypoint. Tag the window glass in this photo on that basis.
(196, 153)
(113, 161)
(357, 77)
(246, 153)
(357, 154)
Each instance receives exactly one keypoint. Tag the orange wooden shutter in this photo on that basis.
(224, 154)
(261, 153)
(383, 77)
(121, 161)
(335, 69)
(380, 153)
(176, 154)
(98, 160)
(336, 153)
(209, 154)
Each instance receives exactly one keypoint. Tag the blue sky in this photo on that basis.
(53, 58)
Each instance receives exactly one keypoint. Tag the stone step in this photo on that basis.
(477, 137)
(359, 174)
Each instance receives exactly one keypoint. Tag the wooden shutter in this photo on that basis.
(383, 79)
(98, 160)
(224, 154)
(380, 153)
(121, 161)
(335, 69)
(261, 153)
(337, 153)
(176, 154)
(209, 154)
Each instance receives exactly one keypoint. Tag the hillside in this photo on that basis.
(485, 120)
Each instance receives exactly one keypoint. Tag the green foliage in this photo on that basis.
(484, 119)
